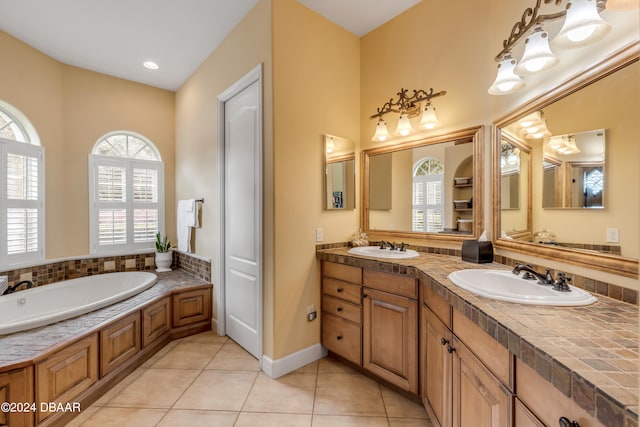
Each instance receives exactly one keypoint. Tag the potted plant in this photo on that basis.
(164, 257)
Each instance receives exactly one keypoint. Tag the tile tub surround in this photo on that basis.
(20, 348)
(588, 353)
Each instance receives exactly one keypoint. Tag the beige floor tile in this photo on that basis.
(232, 357)
(346, 394)
(155, 388)
(254, 419)
(117, 417)
(164, 350)
(188, 355)
(311, 368)
(348, 421)
(82, 416)
(179, 417)
(409, 422)
(209, 337)
(400, 406)
(291, 394)
(218, 390)
(329, 365)
(115, 390)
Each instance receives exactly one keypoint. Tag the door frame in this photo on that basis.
(253, 76)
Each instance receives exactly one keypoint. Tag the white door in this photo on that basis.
(243, 217)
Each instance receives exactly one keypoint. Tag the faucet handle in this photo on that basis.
(562, 283)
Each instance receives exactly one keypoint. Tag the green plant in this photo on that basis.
(162, 244)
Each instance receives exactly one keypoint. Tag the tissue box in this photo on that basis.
(477, 252)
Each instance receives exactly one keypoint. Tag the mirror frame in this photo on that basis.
(475, 135)
(528, 232)
(627, 267)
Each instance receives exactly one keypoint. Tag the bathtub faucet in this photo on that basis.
(13, 288)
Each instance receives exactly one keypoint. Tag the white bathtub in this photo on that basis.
(62, 300)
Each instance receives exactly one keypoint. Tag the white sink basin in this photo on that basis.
(503, 285)
(375, 251)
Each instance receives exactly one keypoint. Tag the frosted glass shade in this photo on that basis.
(404, 126)
(507, 81)
(428, 120)
(537, 53)
(582, 24)
(382, 133)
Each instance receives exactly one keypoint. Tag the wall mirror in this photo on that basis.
(586, 209)
(339, 173)
(430, 188)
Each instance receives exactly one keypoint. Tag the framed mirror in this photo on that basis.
(425, 189)
(585, 209)
(339, 173)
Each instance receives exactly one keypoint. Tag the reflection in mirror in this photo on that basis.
(515, 179)
(604, 201)
(339, 173)
(428, 187)
(577, 172)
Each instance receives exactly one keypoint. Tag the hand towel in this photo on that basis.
(186, 219)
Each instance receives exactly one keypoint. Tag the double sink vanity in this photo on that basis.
(477, 360)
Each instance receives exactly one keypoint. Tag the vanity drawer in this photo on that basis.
(342, 290)
(342, 272)
(398, 284)
(342, 309)
(438, 305)
(342, 337)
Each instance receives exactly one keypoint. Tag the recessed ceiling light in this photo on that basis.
(151, 65)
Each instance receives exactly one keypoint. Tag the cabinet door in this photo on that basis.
(191, 307)
(436, 367)
(17, 387)
(156, 321)
(479, 399)
(390, 338)
(119, 342)
(342, 337)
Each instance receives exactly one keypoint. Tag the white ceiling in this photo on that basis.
(114, 37)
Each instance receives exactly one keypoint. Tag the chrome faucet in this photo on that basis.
(543, 279)
(13, 288)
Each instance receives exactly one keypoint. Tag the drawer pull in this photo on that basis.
(452, 349)
(339, 309)
(339, 337)
(564, 422)
(339, 290)
(444, 341)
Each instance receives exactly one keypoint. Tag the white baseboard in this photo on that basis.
(284, 365)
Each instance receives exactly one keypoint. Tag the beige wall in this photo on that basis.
(316, 92)
(70, 109)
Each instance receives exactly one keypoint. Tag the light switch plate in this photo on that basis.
(319, 234)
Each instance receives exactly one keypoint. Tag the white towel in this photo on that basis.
(186, 219)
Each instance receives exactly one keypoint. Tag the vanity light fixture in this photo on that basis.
(534, 126)
(408, 107)
(582, 25)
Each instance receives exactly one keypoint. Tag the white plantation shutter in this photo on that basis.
(428, 207)
(127, 197)
(22, 201)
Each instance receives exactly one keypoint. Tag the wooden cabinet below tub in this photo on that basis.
(16, 387)
(156, 321)
(191, 307)
(119, 342)
(67, 373)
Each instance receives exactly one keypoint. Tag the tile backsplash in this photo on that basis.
(57, 271)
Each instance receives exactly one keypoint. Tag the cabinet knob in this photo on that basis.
(340, 290)
(364, 295)
(339, 309)
(450, 349)
(339, 337)
(565, 422)
(444, 341)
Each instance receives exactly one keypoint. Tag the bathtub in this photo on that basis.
(43, 305)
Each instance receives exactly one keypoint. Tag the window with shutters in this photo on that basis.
(21, 193)
(428, 207)
(127, 194)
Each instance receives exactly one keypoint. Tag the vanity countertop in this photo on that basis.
(589, 353)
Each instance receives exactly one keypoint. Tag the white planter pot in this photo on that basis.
(163, 261)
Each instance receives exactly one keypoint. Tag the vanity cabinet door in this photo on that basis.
(156, 321)
(390, 338)
(436, 367)
(479, 399)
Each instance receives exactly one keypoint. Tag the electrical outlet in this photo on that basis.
(613, 235)
(311, 312)
(319, 234)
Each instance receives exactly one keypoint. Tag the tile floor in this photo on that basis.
(208, 380)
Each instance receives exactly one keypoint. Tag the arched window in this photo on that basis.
(428, 184)
(126, 185)
(22, 190)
